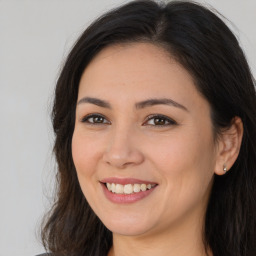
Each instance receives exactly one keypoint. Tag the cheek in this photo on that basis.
(86, 153)
(186, 163)
(181, 151)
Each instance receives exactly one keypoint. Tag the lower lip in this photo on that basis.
(126, 198)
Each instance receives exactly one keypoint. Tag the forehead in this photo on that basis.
(137, 71)
(144, 50)
(133, 61)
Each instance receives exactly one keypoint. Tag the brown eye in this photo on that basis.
(159, 120)
(95, 119)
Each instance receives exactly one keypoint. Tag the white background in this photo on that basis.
(35, 36)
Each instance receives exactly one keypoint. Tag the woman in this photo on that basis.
(155, 123)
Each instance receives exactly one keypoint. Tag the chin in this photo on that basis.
(127, 230)
(127, 225)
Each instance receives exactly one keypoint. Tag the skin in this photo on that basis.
(181, 156)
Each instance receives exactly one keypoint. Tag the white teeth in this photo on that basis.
(109, 186)
(113, 187)
(128, 188)
(143, 187)
(149, 186)
(136, 188)
(119, 189)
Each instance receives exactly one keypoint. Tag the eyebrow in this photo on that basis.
(138, 105)
(95, 101)
(163, 101)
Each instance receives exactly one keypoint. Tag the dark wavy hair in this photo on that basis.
(200, 41)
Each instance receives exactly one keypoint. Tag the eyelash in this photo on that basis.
(167, 121)
(161, 117)
(86, 118)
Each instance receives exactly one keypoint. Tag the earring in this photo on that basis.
(225, 168)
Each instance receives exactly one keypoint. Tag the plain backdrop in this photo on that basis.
(35, 37)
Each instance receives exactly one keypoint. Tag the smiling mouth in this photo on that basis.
(128, 189)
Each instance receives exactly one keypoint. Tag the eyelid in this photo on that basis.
(85, 119)
(170, 120)
(148, 118)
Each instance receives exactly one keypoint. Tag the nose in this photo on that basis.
(122, 149)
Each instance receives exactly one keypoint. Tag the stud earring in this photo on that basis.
(225, 168)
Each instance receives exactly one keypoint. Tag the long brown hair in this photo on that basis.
(205, 46)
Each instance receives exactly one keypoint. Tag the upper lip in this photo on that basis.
(124, 181)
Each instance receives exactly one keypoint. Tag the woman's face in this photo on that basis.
(143, 129)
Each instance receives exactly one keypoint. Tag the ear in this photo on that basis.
(229, 145)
